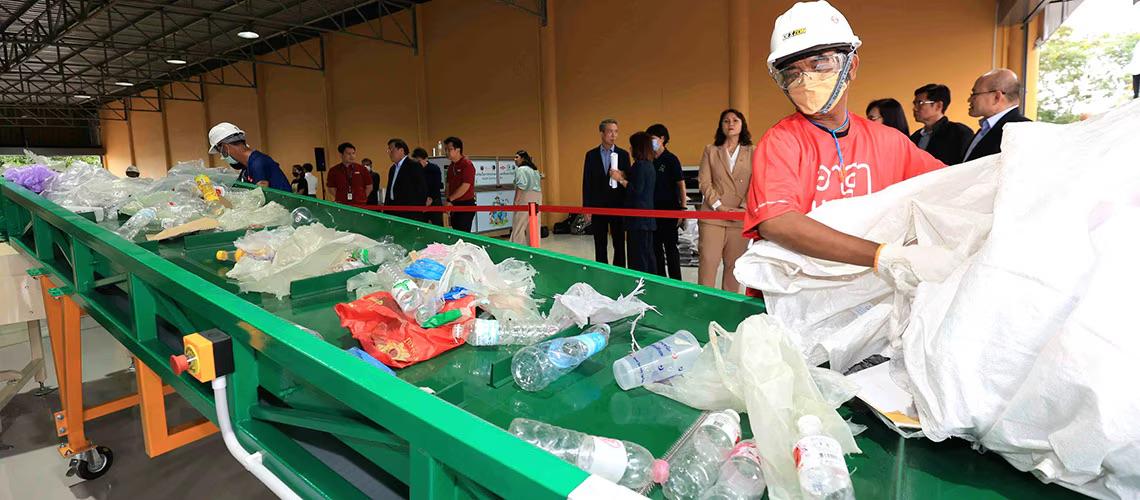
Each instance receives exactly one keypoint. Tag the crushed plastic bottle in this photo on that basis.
(535, 367)
(489, 332)
(819, 463)
(696, 466)
(740, 475)
(622, 462)
(407, 294)
(660, 360)
(209, 195)
(137, 222)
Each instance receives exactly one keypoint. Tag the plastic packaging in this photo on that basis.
(389, 335)
(665, 358)
(740, 475)
(622, 462)
(136, 223)
(34, 178)
(83, 185)
(214, 205)
(507, 286)
(819, 463)
(271, 214)
(581, 305)
(696, 465)
(489, 332)
(302, 217)
(425, 269)
(535, 367)
(229, 255)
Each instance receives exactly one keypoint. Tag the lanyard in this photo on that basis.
(846, 120)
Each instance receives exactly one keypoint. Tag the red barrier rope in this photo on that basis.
(564, 209)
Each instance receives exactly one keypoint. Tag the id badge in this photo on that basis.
(350, 194)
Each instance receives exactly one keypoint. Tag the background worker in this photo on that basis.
(460, 184)
(255, 167)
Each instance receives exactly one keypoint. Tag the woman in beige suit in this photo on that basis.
(726, 171)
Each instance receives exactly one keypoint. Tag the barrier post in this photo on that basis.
(532, 220)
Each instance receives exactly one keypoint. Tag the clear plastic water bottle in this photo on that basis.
(488, 332)
(536, 366)
(696, 466)
(137, 222)
(740, 475)
(622, 462)
(407, 294)
(819, 463)
(302, 216)
(665, 358)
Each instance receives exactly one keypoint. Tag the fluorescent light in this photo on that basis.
(82, 96)
(124, 83)
(248, 33)
(175, 60)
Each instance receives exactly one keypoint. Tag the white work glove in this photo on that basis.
(904, 267)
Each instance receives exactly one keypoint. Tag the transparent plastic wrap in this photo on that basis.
(173, 207)
(83, 185)
(246, 199)
(507, 286)
(304, 252)
(762, 372)
(271, 214)
(581, 304)
(34, 178)
(184, 172)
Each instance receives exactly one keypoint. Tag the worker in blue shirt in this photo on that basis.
(256, 167)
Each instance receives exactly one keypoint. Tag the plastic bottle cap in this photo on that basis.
(810, 424)
(660, 471)
(221, 255)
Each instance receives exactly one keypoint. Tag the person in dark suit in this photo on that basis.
(434, 177)
(996, 99)
(943, 139)
(600, 190)
(406, 185)
(374, 194)
(639, 190)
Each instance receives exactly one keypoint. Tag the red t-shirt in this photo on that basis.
(341, 177)
(795, 167)
(458, 173)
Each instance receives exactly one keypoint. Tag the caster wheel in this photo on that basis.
(99, 463)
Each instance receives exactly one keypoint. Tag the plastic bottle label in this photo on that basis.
(486, 333)
(595, 341)
(818, 451)
(610, 459)
(746, 449)
(726, 424)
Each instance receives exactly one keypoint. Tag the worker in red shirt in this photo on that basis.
(460, 184)
(823, 152)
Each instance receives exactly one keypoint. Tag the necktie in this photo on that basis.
(978, 137)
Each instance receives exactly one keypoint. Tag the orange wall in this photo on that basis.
(478, 68)
(117, 139)
(186, 130)
(149, 141)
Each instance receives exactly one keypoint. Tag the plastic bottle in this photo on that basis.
(740, 475)
(137, 222)
(665, 358)
(209, 195)
(696, 466)
(819, 463)
(302, 216)
(622, 462)
(230, 255)
(404, 290)
(488, 332)
(535, 367)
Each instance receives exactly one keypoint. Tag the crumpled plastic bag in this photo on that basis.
(181, 176)
(280, 256)
(271, 214)
(34, 178)
(83, 185)
(385, 333)
(507, 286)
(173, 208)
(245, 199)
(761, 372)
(581, 304)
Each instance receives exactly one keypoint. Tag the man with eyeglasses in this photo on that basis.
(996, 99)
(823, 153)
(942, 138)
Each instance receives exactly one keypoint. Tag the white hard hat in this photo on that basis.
(223, 131)
(807, 26)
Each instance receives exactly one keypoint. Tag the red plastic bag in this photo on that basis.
(383, 330)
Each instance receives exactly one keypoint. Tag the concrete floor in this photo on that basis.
(30, 467)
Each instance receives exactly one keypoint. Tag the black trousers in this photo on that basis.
(665, 249)
(641, 251)
(1135, 86)
(461, 221)
(600, 226)
(436, 217)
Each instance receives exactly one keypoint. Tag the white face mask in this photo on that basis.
(656, 144)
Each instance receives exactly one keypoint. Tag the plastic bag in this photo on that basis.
(425, 269)
(272, 214)
(507, 286)
(581, 304)
(83, 185)
(34, 178)
(246, 199)
(761, 372)
(387, 335)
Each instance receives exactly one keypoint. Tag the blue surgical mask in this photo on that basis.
(229, 159)
(656, 144)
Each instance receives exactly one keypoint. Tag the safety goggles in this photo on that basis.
(792, 75)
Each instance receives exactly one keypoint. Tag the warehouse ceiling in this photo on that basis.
(62, 61)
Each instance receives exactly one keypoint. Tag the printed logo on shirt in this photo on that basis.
(856, 181)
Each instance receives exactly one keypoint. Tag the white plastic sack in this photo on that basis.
(757, 370)
(304, 252)
(842, 313)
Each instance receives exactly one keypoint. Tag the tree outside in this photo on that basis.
(1083, 74)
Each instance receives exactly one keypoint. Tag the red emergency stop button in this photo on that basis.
(179, 363)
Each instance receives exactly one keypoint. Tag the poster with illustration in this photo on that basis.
(493, 221)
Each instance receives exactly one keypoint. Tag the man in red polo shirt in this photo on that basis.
(460, 184)
(823, 152)
(350, 182)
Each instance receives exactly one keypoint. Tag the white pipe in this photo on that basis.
(251, 461)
